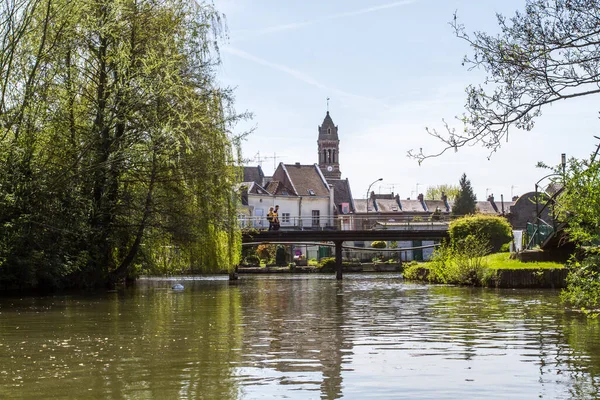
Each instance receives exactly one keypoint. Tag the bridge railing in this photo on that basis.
(348, 222)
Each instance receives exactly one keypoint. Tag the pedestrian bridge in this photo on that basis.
(338, 237)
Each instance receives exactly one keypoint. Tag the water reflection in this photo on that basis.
(298, 337)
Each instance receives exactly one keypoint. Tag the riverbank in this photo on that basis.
(494, 270)
(363, 267)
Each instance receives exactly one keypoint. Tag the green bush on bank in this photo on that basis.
(583, 284)
(252, 259)
(488, 270)
(462, 263)
(496, 229)
(327, 264)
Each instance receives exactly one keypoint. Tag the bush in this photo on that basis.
(252, 260)
(328, 264)
(583, 284)
(462, 263)
(414, 271)
(497, 230)
(379, 244)
(266, 252)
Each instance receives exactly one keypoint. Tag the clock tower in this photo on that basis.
(328, 146)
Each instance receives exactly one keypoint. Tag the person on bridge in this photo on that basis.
(270, 218)
(276, 218)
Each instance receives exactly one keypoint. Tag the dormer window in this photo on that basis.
(311, 192)
(394, 208)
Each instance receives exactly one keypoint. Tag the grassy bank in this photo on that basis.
(503, 261)
(477, 271)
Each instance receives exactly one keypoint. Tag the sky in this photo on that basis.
(390, 69)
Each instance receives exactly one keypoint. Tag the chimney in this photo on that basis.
(445, 200)
(421, 198)
(491, 200)
(397, 198)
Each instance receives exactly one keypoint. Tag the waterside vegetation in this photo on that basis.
(114, 134)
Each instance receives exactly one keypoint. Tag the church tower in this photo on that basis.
(329, 149)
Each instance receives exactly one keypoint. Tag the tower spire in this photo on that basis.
(328, 146)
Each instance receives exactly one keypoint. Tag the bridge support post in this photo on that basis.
(338, 259)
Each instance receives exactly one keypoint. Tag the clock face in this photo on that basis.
(330, 168)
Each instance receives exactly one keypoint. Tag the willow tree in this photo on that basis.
(545, 54)
(115, 141)
(438, 192)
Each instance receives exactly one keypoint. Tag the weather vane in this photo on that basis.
(328, 104)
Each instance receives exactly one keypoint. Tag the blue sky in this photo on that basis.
(391, 68)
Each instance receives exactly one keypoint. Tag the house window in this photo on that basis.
(285, 218)
(315, 217)
(345, 207)
(329, 131)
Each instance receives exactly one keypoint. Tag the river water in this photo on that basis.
(297, 337)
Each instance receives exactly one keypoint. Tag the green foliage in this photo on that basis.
(252, 260)
(579, 203)
(583, 285)
(266, 252)
(462, 263)
(115, 145)
(496, 229)
(503, 261)
(413, 271)
(379, 244)
(464, 203)
(328, 264)
(435, 192)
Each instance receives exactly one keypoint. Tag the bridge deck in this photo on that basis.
(342, 236)
(339, 237)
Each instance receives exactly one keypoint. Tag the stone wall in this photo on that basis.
(532, 278)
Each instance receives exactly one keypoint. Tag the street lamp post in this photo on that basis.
(369, 191)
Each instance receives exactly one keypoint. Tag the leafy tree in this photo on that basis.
(464, 203)
(577, 208)
(545, 54)
(436, 192)
(578, 204)
(115, 144)
(379, 244)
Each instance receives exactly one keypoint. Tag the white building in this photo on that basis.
(304, 197)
